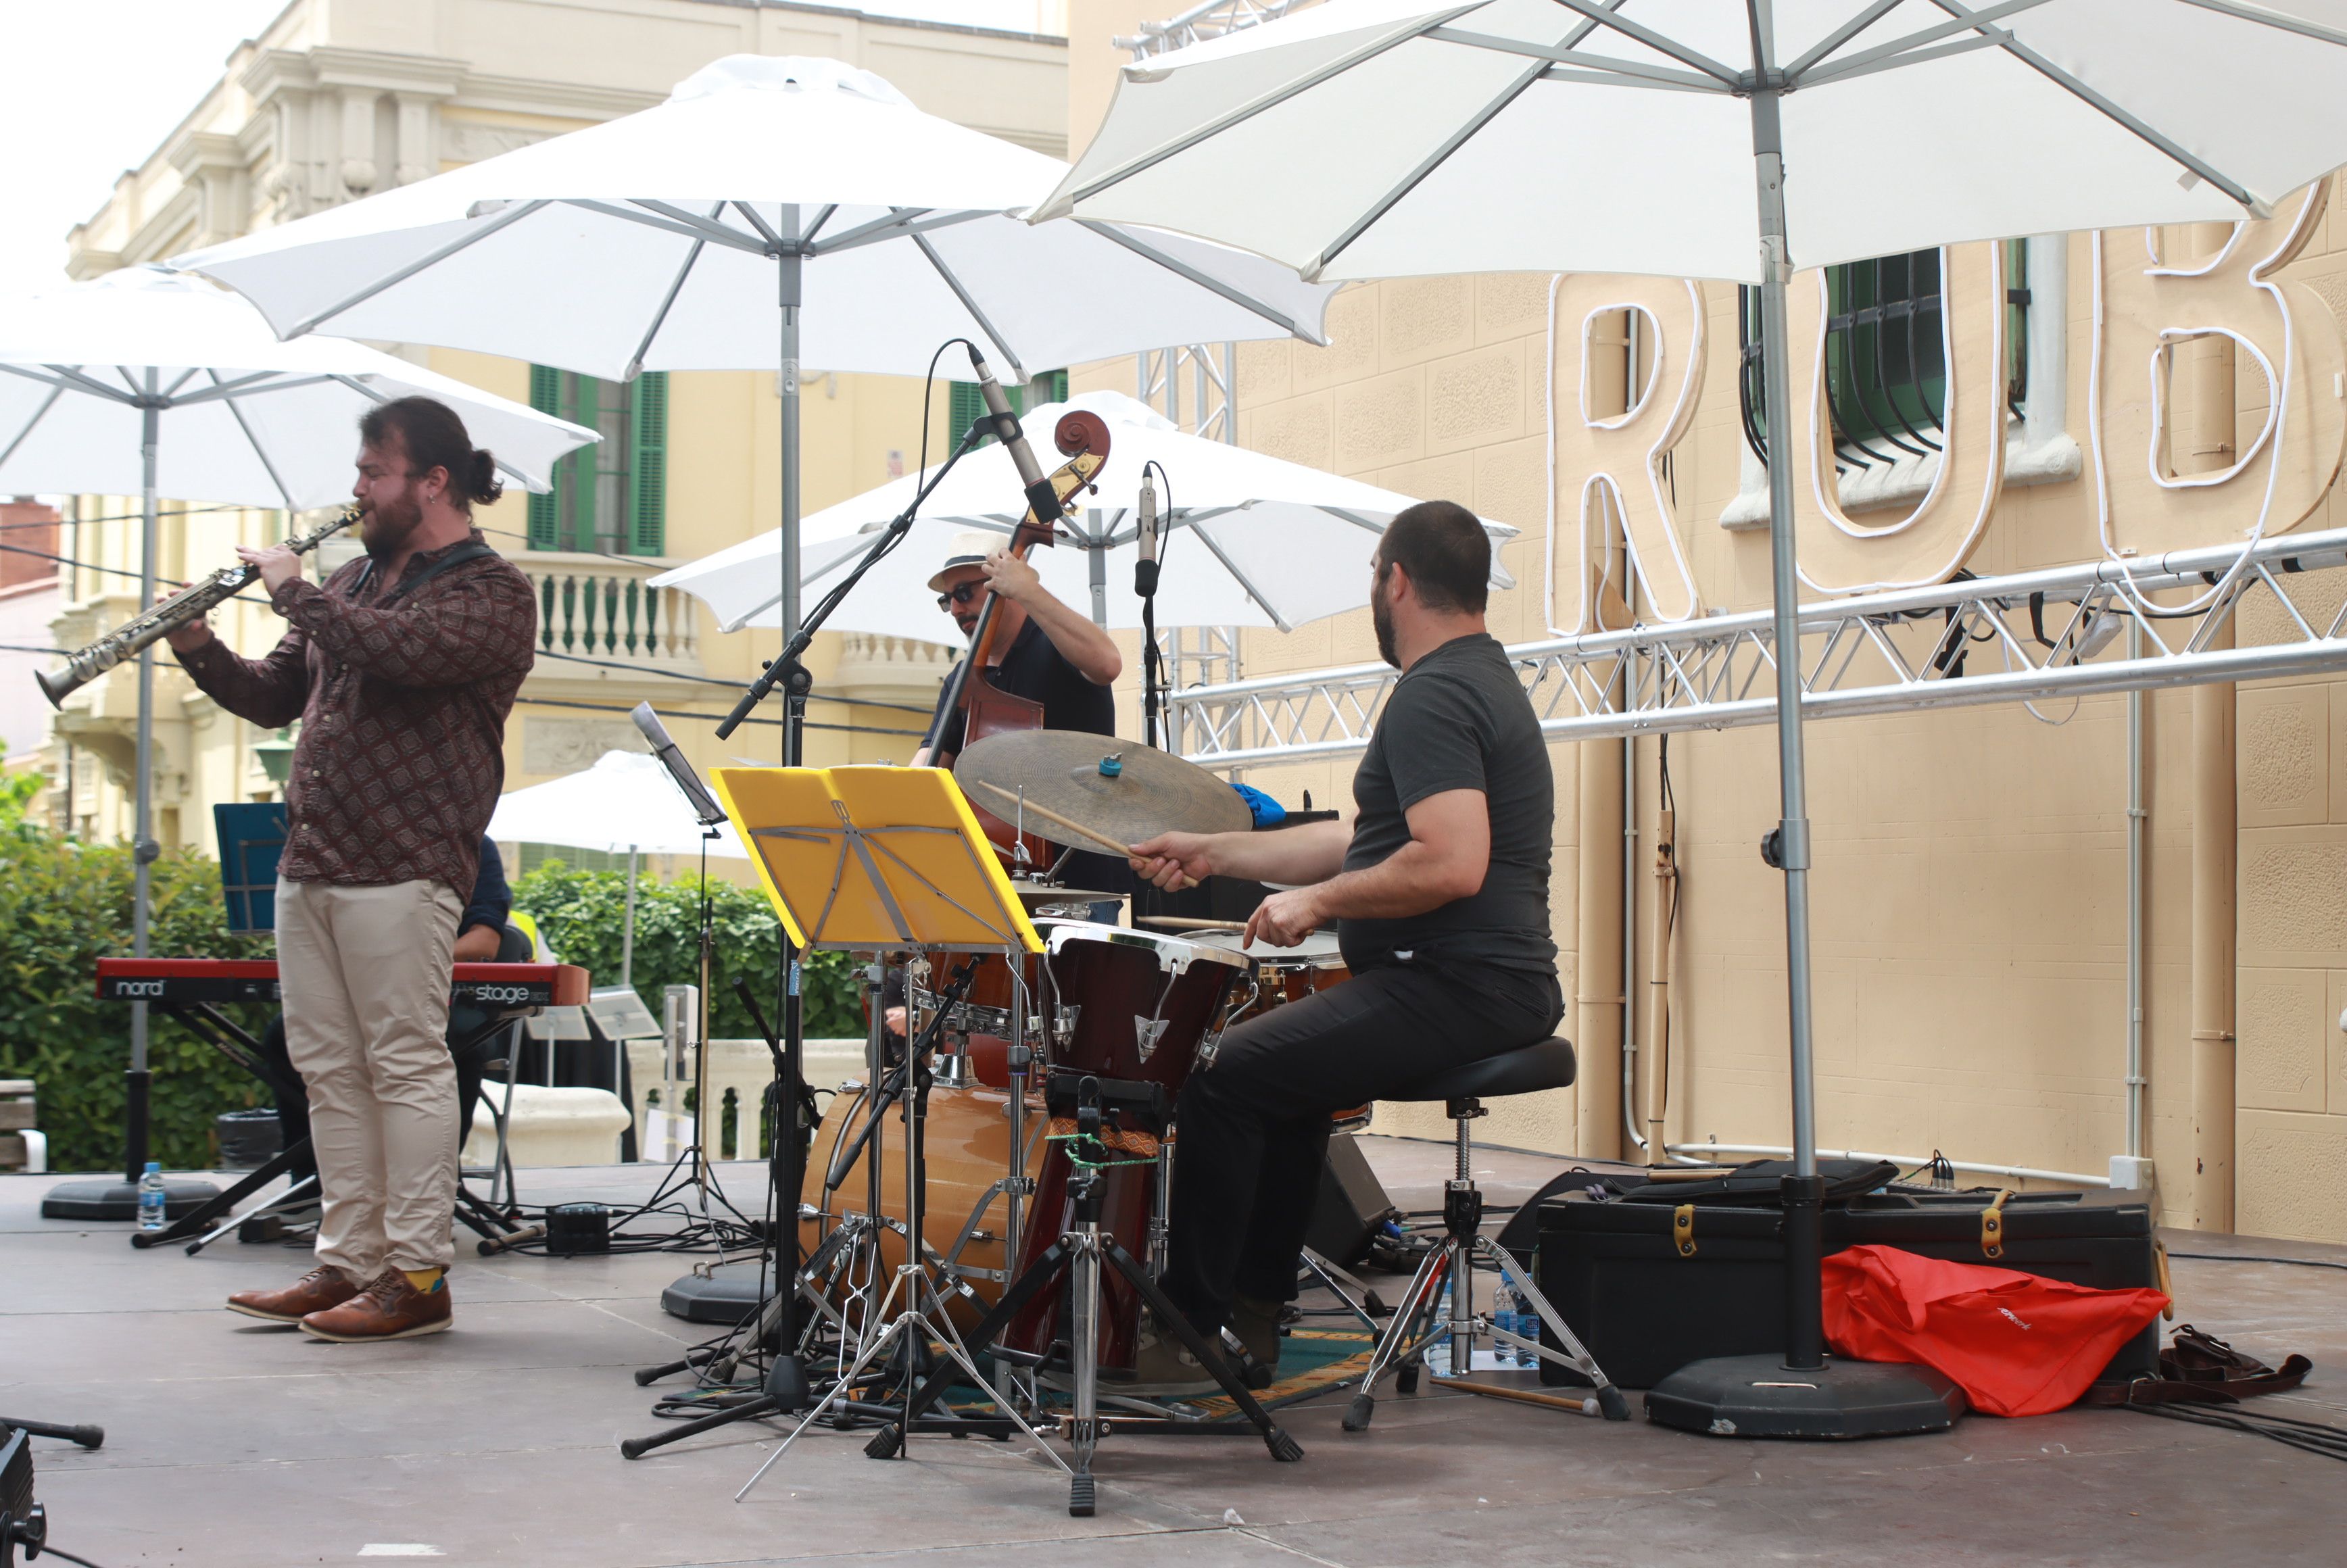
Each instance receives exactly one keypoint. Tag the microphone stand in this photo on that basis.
(786, 1377)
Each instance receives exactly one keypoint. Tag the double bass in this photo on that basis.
(986, 707)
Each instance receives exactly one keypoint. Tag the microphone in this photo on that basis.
(688, 782)
(1040, 496)
(1145, 568)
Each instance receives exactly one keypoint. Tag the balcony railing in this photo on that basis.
(594, 607)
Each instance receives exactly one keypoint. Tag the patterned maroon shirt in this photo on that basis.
(403, 711)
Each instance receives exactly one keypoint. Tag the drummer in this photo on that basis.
(1438, 887)
(1049, 654)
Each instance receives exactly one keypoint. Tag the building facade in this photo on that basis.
(339, 98)
(1986, 408)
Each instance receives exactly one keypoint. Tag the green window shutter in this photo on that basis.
(648, 464)
(1058, 386)
(964, 408)
(546, 397)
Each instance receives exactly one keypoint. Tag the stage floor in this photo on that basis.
(243, 1445)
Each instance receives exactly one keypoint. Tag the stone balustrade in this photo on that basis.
(596, 607)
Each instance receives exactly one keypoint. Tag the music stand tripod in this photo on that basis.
(865, 859)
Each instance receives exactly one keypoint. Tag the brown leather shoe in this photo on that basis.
(388, 1309)
(322, 1287)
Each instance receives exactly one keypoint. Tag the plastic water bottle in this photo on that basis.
(150, 1197)
(1438, 1352)
(1507, 1318)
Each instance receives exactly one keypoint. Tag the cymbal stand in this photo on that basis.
(1078, 1255)
(920, 1319)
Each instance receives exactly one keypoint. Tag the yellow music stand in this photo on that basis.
(864, 859)
(868, 858)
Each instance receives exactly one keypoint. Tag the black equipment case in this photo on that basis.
(1650, 1286)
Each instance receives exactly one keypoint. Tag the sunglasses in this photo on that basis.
(960, 594)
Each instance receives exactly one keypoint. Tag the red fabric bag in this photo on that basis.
(2018, 1344)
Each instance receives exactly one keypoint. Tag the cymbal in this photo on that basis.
(1145, 792)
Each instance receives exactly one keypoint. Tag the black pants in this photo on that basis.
(1253, 1125)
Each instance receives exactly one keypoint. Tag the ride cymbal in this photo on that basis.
(1122, 790)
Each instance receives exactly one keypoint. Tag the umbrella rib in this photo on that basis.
(86, 382)
(691, 225)
(433, 258)
(1433, 162)
(363, 390)
(1606, 17)
(1355, 519)
(821, 219)
(2266, 18)
(652, 215)
(970, 305)
(1206, 280)
(56, 390)
(775, 244)
(910, 222)
(60, 376)
(660, 317)
(1872, 63)
(1873, 59)
(2127, 121)
(185, 376)
(1840, 36)
(258, 381)
(1598, 67)
(1242, 578)
(268, 468)
(1247, 111)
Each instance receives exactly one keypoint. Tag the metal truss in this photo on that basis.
(1210, 370)
(2034, 635)
(1210, 20)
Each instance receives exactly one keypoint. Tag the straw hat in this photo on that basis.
(970, 547)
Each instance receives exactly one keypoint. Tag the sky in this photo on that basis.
(94, 88)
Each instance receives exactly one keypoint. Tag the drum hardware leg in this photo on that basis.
(1395, 1345)
(1575, 1355)
(1083, 1334)
(1355, 1296)
(1161, 1210)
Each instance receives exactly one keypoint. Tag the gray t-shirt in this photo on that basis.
(1459, 719)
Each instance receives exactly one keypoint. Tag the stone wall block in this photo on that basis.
(2283, 758)
(2283, 1022)
(1511, 304)
(1475, 398)
(1423, 318)
(2293, 896)
(1352, 352)
(1267, 372)
(2290, 1174)
(1299, 429)
(1510, 487)
(1380, 423)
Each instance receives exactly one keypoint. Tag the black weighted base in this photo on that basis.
(104, 1198)
(1761, 1396)
(730, 1295)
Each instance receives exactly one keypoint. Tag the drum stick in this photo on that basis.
(1185, 923)
(1053, 818)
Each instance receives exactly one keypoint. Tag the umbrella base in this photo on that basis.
(101, 1198)
(1761, 1396)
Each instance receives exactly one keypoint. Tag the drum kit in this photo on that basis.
(1042, 1087)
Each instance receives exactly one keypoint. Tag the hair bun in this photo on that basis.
(482, 481)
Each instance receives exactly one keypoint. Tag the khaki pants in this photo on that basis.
(364, 975)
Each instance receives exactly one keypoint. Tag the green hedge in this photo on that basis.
(63, 904)
(580, 915)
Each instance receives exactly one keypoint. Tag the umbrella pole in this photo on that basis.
(143, 848)
(1796, 1394)
(628, 926)
(786, 1377)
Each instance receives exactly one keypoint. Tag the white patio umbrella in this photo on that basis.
(1581, 135)
(773, 212)
(150, 381)
(626, 804)
(1239, 523)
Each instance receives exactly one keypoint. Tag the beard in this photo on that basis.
(389, 525)
(1381, 618)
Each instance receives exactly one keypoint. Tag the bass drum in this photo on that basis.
(966, 1145)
